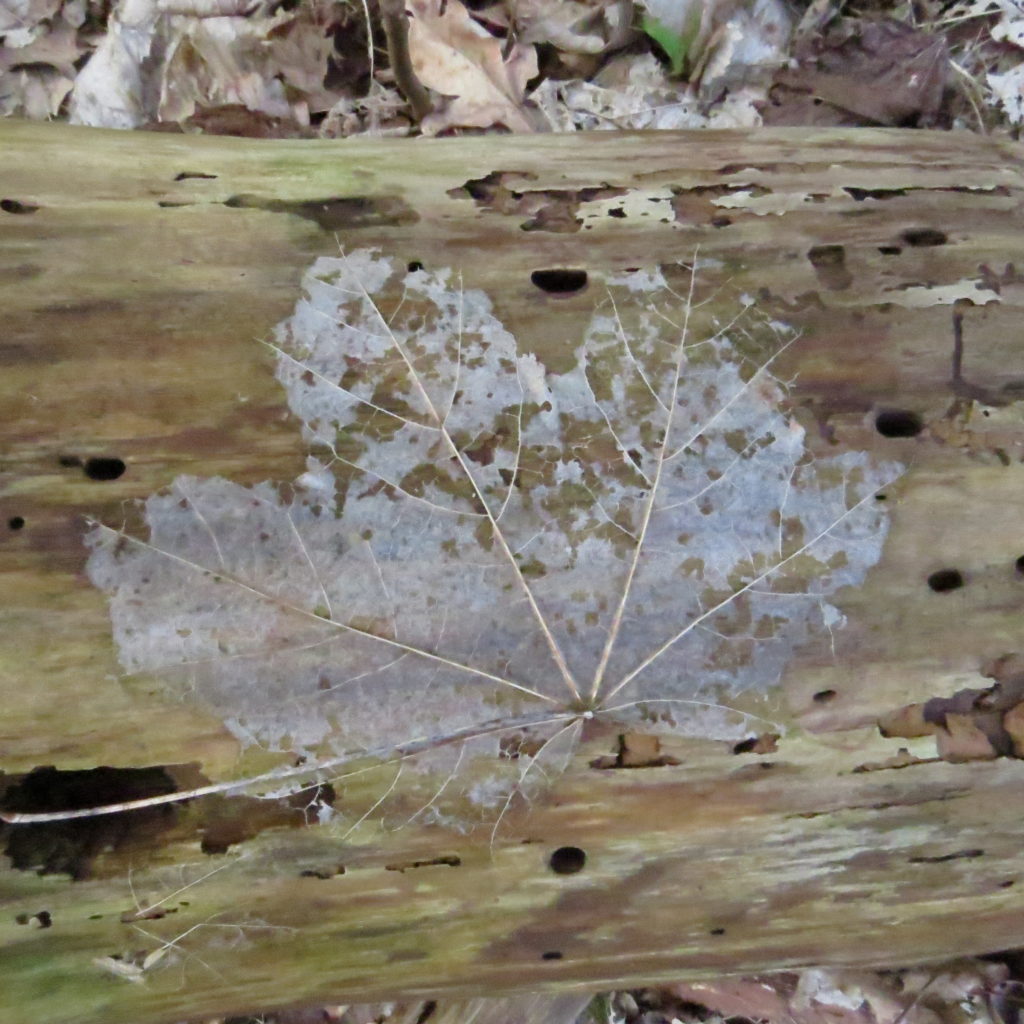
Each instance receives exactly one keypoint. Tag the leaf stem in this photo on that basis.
(397, 752)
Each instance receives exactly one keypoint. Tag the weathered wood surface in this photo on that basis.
(139, 272)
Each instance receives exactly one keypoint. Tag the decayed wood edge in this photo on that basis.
(727, 864)
(807, 864)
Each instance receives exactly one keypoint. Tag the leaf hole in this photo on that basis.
(1007, 884)
(923, 237)
(717, 931)
(551, 955)
(890, 250)
(185, 175)
(945, 580)
(721, 222)
(898, 423)
(15, 522)
(567, 860)
(824, 696)
(102, 468)
(14, 206)
(560, 280)
(413, 265)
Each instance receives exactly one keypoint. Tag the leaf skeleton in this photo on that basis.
(496, 536)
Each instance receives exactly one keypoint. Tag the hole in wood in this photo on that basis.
(898, 423)
(14, 206)
(923, 237)
(42, 919)
(559, 281)
(102, 468)
(71, 846)
(946, 580)
(567, 860)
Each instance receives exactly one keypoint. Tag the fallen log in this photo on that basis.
(141, 272)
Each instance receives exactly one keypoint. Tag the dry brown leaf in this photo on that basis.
(165, 59)
(631, 92)
(22, 16)
(36, 93)
(215, 61)
(458, 58)
(863, 73)
(57, 46)
(111, 91)
(241, 122)
(573, 26)
(37, 57)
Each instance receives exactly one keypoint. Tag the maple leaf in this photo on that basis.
(484, 545)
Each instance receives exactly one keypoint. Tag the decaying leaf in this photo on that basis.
(494, 540)
(572, 26)
(459, 59)
(863, 72)
(162, 60)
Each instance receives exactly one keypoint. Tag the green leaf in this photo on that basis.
(674, 44)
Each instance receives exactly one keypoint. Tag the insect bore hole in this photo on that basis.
(552, 955)
(898, 423)
(560, 280)
(945, 580)
(42, 919)
(567, 860)
(922, 238)
(1019, 565)
(104, 468)
(15, 206)
(15, 522)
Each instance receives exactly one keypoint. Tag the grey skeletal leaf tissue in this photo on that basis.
(477, 535)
